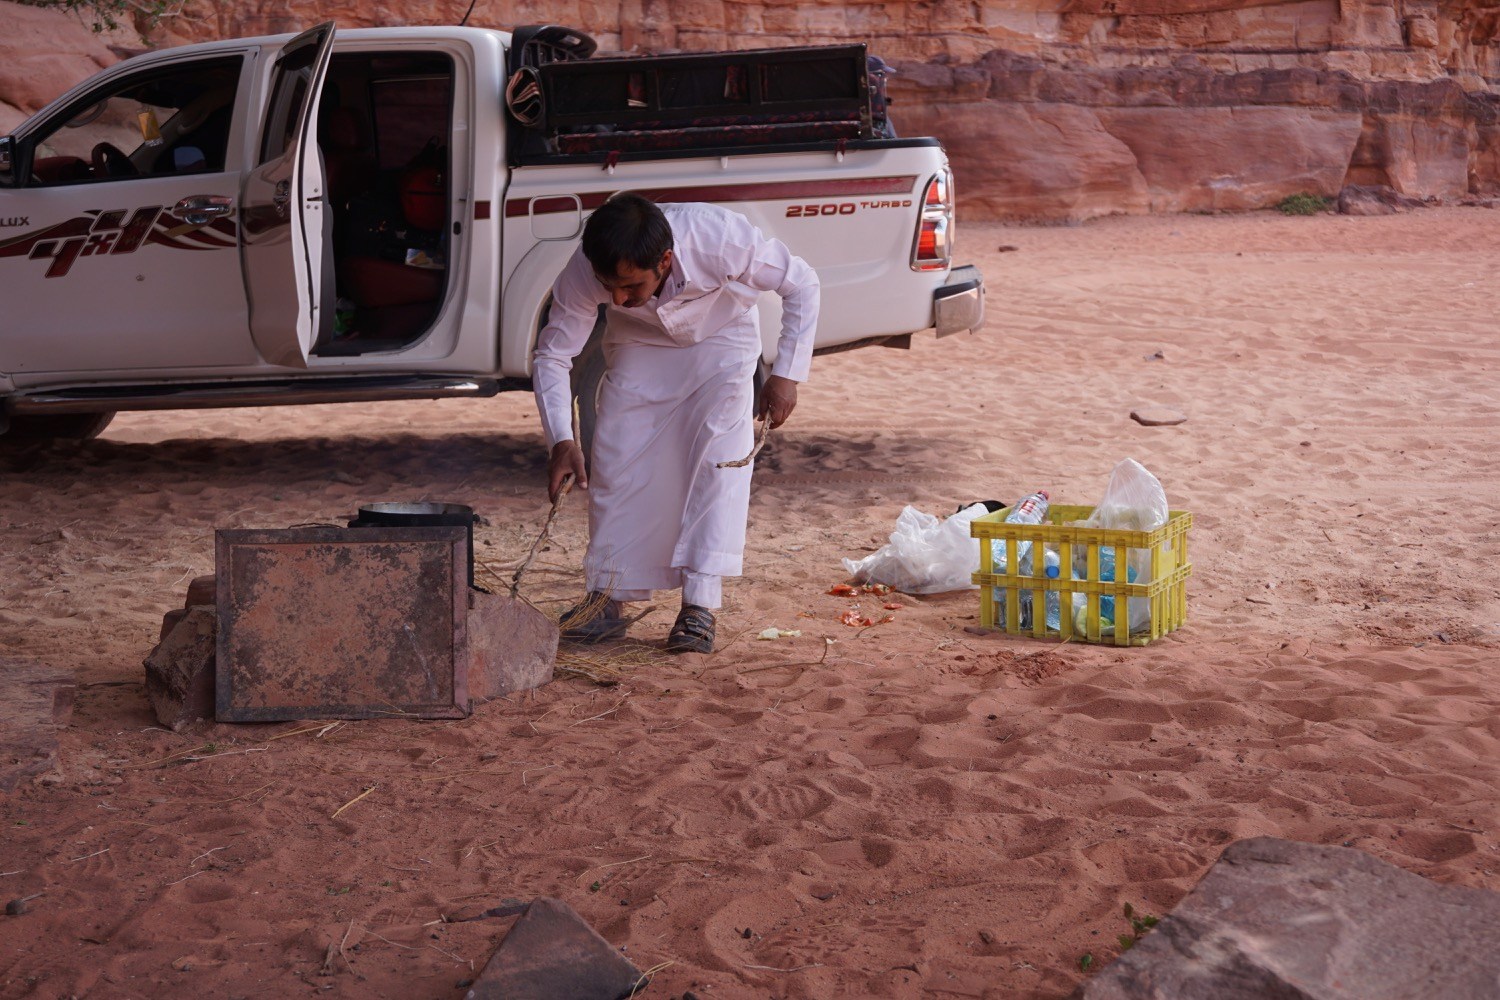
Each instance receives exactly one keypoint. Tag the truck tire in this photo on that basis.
(22, 430)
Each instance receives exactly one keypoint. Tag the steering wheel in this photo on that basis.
(108, 161)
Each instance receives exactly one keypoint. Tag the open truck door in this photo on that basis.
(285, 210)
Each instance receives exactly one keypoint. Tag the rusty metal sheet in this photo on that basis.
(335, 623)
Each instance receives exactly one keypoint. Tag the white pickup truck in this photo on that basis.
(379, 214)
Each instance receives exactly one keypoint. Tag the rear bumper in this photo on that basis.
(958, 306)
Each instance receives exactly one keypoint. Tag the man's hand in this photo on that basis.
(566, 458)
(778, 397)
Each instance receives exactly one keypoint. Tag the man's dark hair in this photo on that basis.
(626, 229)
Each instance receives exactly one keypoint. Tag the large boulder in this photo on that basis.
(10, 117)
(1235, 159)
(1484, 161)
(1418, 156)
(1275, 918)
(1034, 161)
(1050, 111)
(43, 52)
(1374, 199)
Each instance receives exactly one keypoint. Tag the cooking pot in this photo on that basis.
(419, 515)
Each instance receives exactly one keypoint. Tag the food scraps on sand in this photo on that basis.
(854, 590)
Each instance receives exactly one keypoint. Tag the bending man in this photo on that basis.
(682, 343)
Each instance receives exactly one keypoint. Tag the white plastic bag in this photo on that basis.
(926, 554)
(1133, 501)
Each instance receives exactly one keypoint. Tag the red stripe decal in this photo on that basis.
(481, 210)
(768, 191)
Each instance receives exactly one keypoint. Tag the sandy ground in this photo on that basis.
(926, 812)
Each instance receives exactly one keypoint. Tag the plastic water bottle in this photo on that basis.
(1106, 601)
(1030, 509)
(1052, 567)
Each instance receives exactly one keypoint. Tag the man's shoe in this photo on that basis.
(597, 619)
(693, 631)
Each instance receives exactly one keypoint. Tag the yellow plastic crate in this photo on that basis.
(1166, 590)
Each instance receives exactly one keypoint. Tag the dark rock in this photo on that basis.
(552, 952)
(203, 590)
(1374, 199)
(1275, 918)
(512, 646)
(180, 670)
(169, 622)
(1157, 416)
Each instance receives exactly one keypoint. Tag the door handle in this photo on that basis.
(200, 209)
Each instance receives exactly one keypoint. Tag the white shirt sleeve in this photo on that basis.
(768, 266)
(576, 298)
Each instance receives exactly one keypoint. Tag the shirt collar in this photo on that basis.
(677, 277)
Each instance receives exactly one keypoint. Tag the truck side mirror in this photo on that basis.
(7, 158)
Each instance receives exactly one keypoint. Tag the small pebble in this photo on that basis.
(16, 907)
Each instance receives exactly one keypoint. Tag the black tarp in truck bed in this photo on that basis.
(700, 100)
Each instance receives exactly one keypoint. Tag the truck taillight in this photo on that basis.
(933, 249)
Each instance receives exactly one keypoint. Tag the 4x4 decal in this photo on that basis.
(113, 232)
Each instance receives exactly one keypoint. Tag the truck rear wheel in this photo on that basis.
(22, 430)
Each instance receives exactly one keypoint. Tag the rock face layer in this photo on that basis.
(1049, 110)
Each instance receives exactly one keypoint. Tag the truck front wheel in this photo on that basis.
(23, 430)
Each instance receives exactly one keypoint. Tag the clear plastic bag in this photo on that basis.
(926, 554)
(1133, 501)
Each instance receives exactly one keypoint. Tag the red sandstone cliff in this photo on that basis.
(1050, 110)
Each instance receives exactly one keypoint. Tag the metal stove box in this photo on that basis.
(335, 623)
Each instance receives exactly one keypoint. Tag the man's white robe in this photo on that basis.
(677, 397)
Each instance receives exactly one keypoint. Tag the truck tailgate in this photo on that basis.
(852, 214)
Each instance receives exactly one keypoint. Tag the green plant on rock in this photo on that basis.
(1302, 204)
